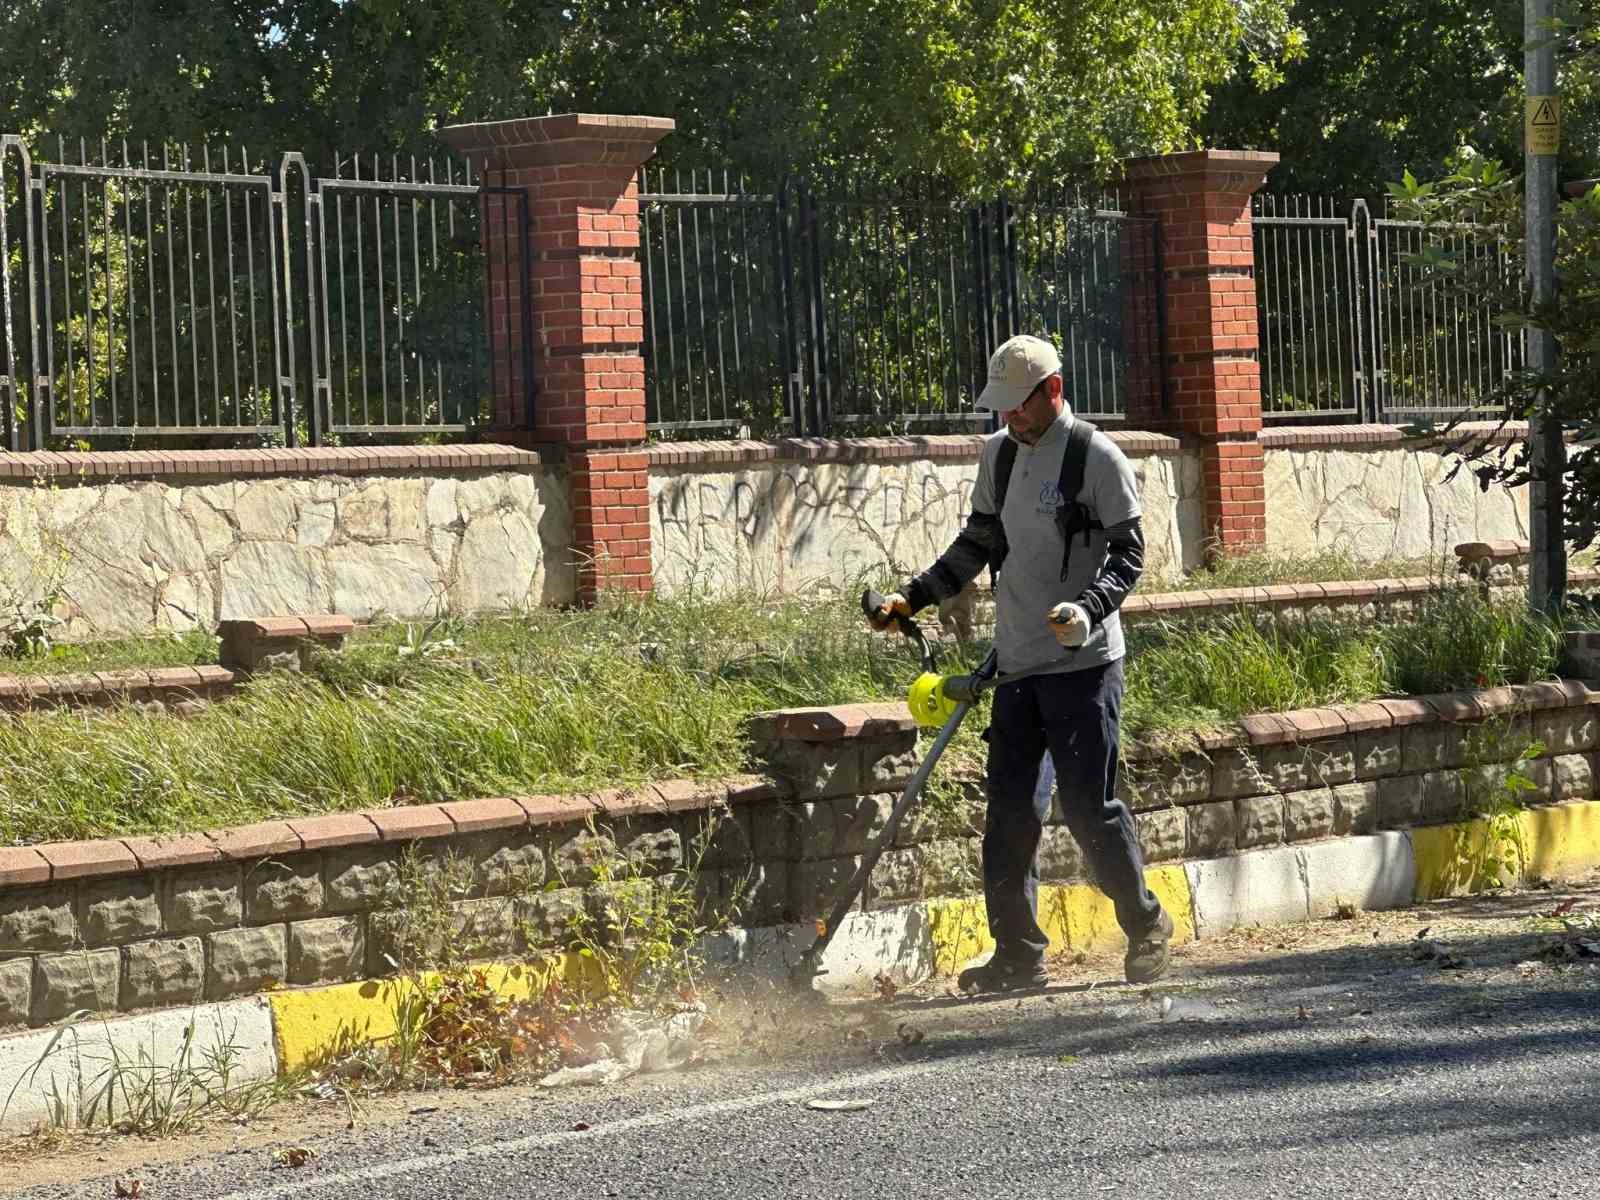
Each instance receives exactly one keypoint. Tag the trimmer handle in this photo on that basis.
(872, 603)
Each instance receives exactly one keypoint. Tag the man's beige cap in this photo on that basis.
(1015, 369)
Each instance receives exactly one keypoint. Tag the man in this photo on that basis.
(1058, 638)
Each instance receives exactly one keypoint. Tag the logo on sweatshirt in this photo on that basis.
(1049, 498)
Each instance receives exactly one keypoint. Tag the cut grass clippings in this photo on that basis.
(635, 691)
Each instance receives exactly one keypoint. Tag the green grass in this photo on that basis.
(190, 649)
(570, 700)
(1192, 676)
(198, 647)
(1263, 568)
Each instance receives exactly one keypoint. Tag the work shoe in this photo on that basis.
(1147, 954)
(1003, 975)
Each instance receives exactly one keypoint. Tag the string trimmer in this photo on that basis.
(936, 701)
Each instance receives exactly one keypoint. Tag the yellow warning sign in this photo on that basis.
(1543, 124)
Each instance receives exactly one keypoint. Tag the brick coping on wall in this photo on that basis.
(1281, 595)
(110, 687)
(63, 861)
(1134, 443)
(105, 466)
(1318, 437)
(110, 465)
(959, 446)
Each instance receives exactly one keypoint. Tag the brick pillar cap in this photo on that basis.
(1219, 167)
(566, 138)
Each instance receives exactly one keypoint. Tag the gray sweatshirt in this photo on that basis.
(1100, 573)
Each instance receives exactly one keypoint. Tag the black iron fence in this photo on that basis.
(215, 296)
(1349, 332)
(790, 311)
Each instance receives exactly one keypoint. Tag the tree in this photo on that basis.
(312, 75)
(978, 94)
(1405, 84)
(1485, 202)
(975, 93)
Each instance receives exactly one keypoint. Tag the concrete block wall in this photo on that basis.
(142, 922)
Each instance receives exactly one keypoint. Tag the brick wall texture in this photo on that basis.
(1201, 201)
(583, 280)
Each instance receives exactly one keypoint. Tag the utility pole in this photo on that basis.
(1547, 574)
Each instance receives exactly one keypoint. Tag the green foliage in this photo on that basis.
(1408, 83)
(644, 934)
(556, 701)
(1263, 568)
(1492, 850)
(94, 1083)
(1465, 641)
(1191, 675)
(976, 94)
(1480, 205)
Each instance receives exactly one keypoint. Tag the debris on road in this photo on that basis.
(838, 1105)
(1185, 1008)
(643, 1044)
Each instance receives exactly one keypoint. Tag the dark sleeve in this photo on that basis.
(957, 566)
(1123, 566)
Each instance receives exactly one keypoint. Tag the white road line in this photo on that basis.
(431, 1162)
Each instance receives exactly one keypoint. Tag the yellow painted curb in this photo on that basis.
(1080, 917)
(1075, 917)
(1549, 843)
(960, 932)
(310, 1025)
(1564, 840)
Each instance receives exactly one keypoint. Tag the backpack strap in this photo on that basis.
(1073, 518)
(1006, 459)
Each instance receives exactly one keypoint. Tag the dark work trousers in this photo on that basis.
(1057, 729)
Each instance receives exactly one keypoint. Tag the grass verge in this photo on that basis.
(199, 647)
(633, 691)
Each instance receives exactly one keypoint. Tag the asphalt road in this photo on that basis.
(1325, 1061)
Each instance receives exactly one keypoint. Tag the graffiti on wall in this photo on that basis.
(786, 526)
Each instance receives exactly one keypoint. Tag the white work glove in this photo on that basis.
(1070, 624)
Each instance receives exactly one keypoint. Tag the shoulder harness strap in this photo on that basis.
(1006, 459)
(1073, 518)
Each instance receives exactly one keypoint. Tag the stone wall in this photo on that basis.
(781, 516)
(135, 543)
(141, 922)
(1272, 780)
(1360, 491)
(132, 544)
(144, 922)
(786, 515)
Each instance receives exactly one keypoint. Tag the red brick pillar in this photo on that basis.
(1202, 201)
(579, 173)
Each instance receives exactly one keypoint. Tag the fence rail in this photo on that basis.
(214, 296)
(1349, 332)
(790, 311)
